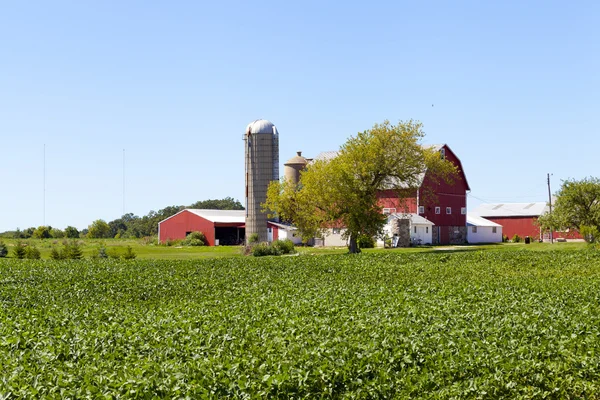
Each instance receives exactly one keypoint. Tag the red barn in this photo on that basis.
(443, 203)
(521, 219)
(228, 227)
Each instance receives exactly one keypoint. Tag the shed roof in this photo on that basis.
(415, 219)
(511, 209)
(474, 220)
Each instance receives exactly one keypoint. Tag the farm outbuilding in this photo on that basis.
(515, 218)
(481, 230)
(221, 227)
(521, 219)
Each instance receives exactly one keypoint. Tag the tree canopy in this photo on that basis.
(342, 192)
(577, 206)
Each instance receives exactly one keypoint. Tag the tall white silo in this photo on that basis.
(262, 167)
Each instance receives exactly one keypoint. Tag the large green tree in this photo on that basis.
(577, 206)
(343, 191)
(98, 229)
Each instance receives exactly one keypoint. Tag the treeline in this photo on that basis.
(127, 226)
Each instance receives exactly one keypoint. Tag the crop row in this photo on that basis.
(477, 324)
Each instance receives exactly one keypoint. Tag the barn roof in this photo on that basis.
(511, 209)
(474, 220)
(330, 155)
(221, 216)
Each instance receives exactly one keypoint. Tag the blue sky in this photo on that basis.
(515, 89)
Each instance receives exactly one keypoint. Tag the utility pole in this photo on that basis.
(44, 190)
(550, 204)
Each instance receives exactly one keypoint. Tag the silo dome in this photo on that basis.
(293, 167)
(261, 126)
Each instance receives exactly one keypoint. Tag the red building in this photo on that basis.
(443, 203)
(521, 219)
(228, 227)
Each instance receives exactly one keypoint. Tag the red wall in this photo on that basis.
(526, 226)
(176, 227)
(522, 226)
(445, 195)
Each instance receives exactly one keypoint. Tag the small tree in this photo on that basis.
(56, 254)
(32, 253)
(129, 254)
(19, 250)
(73, 251)
(3, 250)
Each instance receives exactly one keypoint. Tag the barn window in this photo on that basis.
(421, 209)
(426, 229)
(493, 229)
(388, 211)
(474, 229)
(448, 210)
(336, 231)
(438, 210)
(463, 210)
(269, 230)
(443, 153)
(415, 229)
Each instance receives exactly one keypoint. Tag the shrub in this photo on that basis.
(504, 238)
(102, 252)
(73, 251)
(129, 254)
(284, 246)
(3, 250)
(195, 239)
(32, 253)
(516, 238)
(264, 249)
(365, 242)
(19, 250)
(56, 254)
(252, 239)
(590, 233)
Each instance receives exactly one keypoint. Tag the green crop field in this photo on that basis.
(440, 324)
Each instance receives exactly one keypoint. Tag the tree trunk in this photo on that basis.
(353, 247)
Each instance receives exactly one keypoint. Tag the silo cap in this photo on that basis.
(297, 160)
(261, 126)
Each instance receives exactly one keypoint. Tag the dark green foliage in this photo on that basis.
(264, 249)
(72, 250)
(42, 232)
(276, 248)
(129, 254)
(194, 239)
(71, 232)
(493, 324)
(19, 250)
(56, 254)
(3, 250)
(516, 238)
(285, 246)
(102, 252)
(504, 238)
(32, 253)
(227, 203)
(366, 242)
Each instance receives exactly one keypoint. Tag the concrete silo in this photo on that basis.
(293, 166)
(262, 167)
